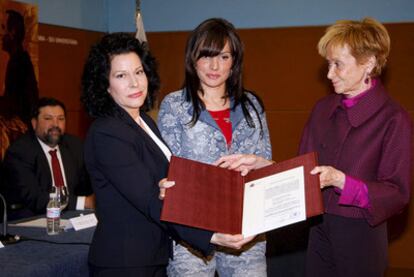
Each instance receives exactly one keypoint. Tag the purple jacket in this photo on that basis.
(371, 141)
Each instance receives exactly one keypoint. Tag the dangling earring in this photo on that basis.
(367, 78)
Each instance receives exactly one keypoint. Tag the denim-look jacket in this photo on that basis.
(204, 141)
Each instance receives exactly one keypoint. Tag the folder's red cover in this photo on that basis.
(211, 198)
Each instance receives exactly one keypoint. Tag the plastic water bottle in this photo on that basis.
(53, 215)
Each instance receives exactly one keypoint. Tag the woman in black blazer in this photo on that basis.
(127, 160)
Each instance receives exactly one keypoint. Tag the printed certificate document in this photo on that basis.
(274, 201)
(221, 200)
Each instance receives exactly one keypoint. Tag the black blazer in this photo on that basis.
(125, 166)
(29, 178)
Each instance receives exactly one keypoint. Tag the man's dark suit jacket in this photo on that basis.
(125, 166)
(28, 179)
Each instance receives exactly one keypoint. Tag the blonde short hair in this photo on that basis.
(365, 38)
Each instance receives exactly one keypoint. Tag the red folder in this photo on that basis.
(211, 198)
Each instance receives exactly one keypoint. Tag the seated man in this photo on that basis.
(32, 166)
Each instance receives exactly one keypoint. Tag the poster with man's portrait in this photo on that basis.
(30, 43)
(19, 71)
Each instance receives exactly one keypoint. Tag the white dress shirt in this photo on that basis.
(80, 202)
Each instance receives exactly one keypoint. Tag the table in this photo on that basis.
(40, 259)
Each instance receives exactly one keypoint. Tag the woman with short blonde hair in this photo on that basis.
(363, 140)
(364, 38)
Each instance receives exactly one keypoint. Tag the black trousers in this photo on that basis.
(147, 271)
(342, 247)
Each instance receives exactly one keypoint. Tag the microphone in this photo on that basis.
(7, 238)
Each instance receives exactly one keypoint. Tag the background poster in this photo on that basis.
(30, 43)
(19, 71)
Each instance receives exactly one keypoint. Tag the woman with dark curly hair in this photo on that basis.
(127, 161)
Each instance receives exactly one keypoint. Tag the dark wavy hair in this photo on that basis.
(208, 40)
(95, 78)
(44, 102)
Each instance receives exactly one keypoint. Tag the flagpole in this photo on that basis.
(138, 6)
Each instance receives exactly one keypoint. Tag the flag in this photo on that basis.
(140, 35)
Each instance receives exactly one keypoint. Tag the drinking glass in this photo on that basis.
(62, 195)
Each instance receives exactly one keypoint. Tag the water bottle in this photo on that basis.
(53, 215)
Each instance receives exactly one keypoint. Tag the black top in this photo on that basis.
(125, 166)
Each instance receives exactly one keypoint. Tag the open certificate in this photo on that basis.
(221, 200)
(274, 201)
